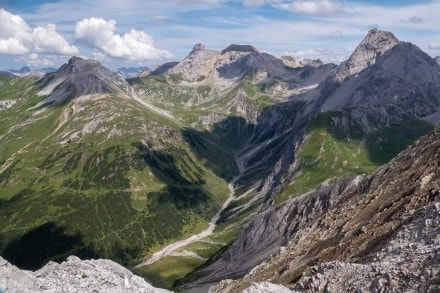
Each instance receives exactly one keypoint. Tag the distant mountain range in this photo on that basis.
(25, 70)
(228, 164)
(131, 72)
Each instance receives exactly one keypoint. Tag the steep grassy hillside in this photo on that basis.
(99, 176)
(338, 146)
(103, 176)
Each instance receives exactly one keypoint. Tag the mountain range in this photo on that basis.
(229, 164)
(25, 70)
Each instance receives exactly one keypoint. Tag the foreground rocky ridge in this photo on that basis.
(381, 234)
(73, 275)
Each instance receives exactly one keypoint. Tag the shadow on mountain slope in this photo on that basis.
(183, 184)
(46, 242)
(220, 145)
(255, 148)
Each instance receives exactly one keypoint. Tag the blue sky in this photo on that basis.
(42, 33)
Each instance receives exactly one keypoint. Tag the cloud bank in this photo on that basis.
(135, 45)
(18, 38)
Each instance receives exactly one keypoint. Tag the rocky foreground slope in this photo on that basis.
(73, 275)
(382, 233)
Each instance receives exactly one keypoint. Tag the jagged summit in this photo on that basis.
(384, 71)
(80, 77)
(198, 47)
(196, 65)
(76, 61)
(240, 48)
(376, 43)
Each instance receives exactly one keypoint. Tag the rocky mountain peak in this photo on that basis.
(196, 65)
(437, 59)
(78, 61)
(376, 43)
(80, 77)
(240, 48)
(198, 47)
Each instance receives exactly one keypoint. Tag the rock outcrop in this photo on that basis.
(437, 59)
(265, 287)
(408, 261)
(290, 61)
(73, 275)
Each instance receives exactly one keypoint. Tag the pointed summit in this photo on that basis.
(80, 77)
(376, 43)
(198, 47)
(195, 66)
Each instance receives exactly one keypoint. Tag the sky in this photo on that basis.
(132, 33)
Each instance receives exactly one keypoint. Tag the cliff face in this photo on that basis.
(73, 275)
(382, 233)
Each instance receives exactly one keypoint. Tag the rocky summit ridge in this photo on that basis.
(73, 275)
(227, 68)
(79, 77)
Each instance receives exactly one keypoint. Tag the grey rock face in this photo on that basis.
(408, 262)
(198, 47)
(74, 275)
(197, 65)
(312, 62)
(376, 43)
(161, 69)
(403, 76)
(437, 59)
(290, 61)
(6, 104)
(80, 77)
(265, 287)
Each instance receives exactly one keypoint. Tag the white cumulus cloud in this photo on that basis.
(35, 60)
(17, 37)
(434, 46)
(314, 6)
(135, 45)
(301, 6)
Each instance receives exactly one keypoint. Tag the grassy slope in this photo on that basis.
(329, 153)
(214, 147)
(97, 195)
(112, 196)
(102, 195)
